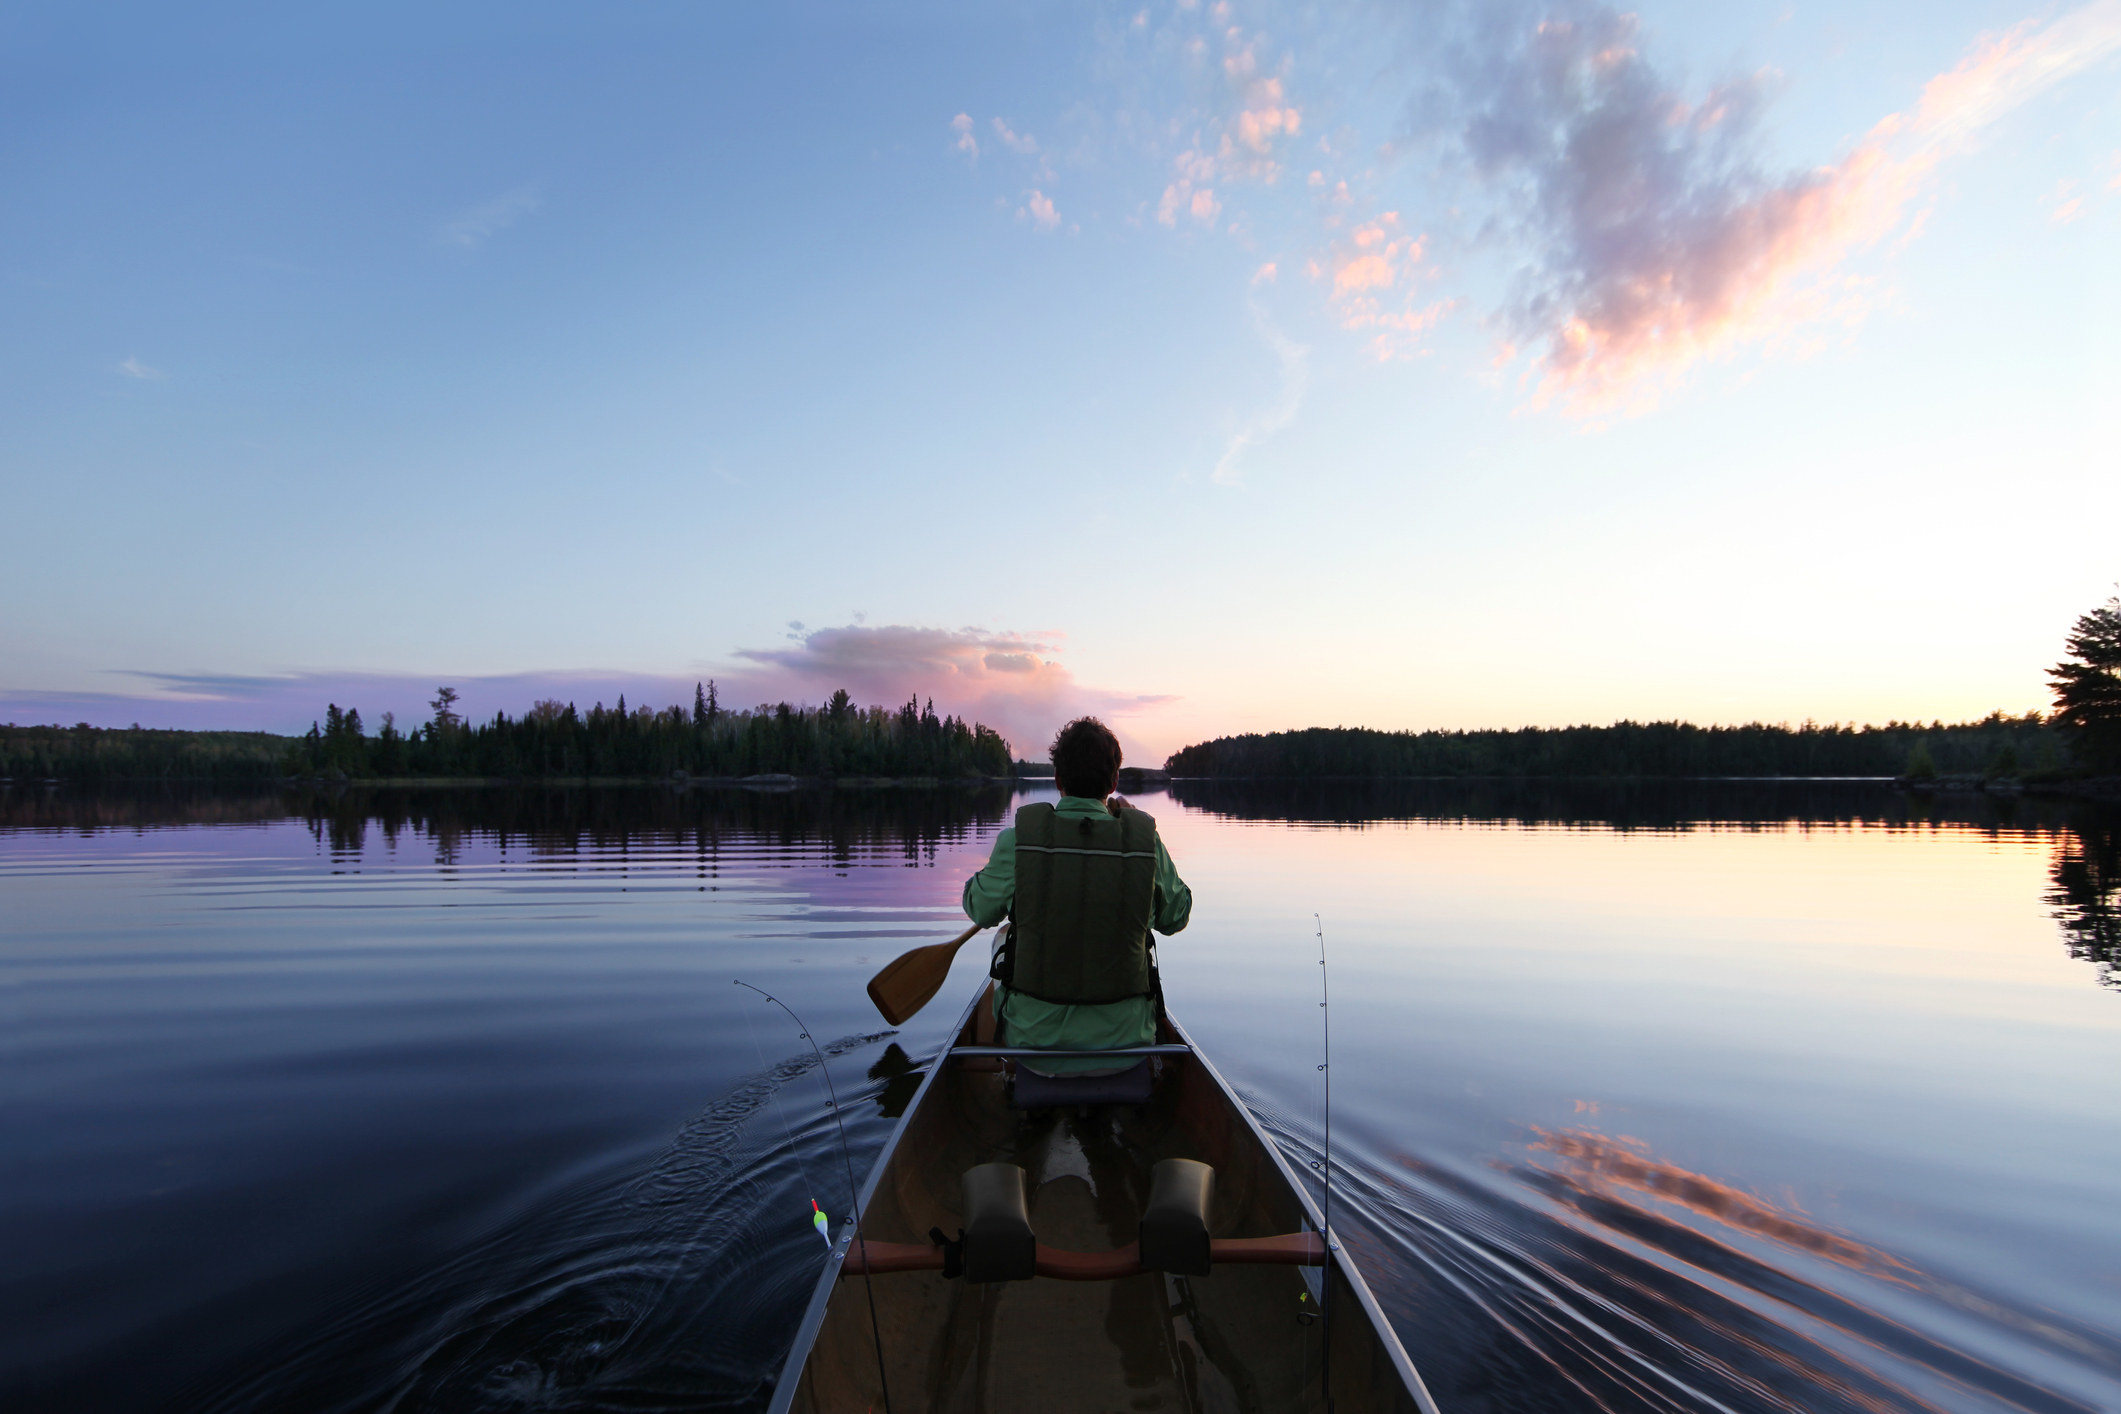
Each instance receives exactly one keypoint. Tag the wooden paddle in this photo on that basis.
(910, 979)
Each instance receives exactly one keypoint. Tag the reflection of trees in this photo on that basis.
(1637, 804)
(2086, 897)
(908, 825)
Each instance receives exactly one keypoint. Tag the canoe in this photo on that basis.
(1115, 1298)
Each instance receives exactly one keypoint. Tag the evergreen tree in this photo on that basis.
(445, 707)
(2087, 687)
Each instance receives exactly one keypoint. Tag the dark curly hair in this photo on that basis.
(1086, 759)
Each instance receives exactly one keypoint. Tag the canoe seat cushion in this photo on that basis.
(1037, 1092)
(998, 1241)
(1175, 1224)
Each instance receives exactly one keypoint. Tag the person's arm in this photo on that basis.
(989, 893)
(1174, 901)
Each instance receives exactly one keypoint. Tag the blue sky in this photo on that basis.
(1212, 367)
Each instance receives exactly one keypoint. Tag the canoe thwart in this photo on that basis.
(1285, 1249)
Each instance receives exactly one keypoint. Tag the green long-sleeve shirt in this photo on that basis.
(1131, 1021)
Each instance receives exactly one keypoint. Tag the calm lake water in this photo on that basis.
(1793, 1096)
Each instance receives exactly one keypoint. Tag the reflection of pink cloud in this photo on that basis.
(1657, 241)
(1621, 1171)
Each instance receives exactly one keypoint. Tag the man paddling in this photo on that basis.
(1083, 883)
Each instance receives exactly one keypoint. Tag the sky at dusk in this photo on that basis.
(1213, 367)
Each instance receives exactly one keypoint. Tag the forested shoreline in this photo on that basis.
(2026, 747)
(552, 741)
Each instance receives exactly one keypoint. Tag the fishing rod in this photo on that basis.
(854, 1197)
(1325, 1070)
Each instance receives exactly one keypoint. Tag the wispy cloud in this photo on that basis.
(133, 368)
(1022, 143)
(966, 142)
(1288, 396)
(473, 226)
(1653, 237)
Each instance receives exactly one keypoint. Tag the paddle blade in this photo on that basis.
(909, 980)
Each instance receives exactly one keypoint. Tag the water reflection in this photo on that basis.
(2086, 898)
(1752, 1096)
(842, 822)
(1617, 804)
(897, 1077)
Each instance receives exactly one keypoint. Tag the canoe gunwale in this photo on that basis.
(784, 1388)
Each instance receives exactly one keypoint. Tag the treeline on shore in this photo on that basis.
(86, 753)
(551, 740)
(1998, 745)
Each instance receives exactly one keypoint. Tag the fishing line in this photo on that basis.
(1325, 1070)
(854, 1198)
(795, 1150)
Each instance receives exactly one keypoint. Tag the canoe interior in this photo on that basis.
(1241, 1338)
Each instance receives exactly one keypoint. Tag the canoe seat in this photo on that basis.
(1175, 1224)
(998, 1244)
(1033, 1091)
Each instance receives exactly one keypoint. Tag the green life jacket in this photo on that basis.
(1085, 889)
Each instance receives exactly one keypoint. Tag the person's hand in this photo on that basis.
(1118, 803)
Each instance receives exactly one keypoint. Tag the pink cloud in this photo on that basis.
(1376, 263)
(1189, 190)
(1239, 145)
(1010, 681)
(966, 142)
(1039, 207)
(1656, 241)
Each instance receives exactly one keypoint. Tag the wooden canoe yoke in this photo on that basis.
(997, 1243)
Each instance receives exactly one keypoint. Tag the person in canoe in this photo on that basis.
(1082, 882)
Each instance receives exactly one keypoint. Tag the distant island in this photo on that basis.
(2080, 741)
(552, 741)
(1997, 745)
